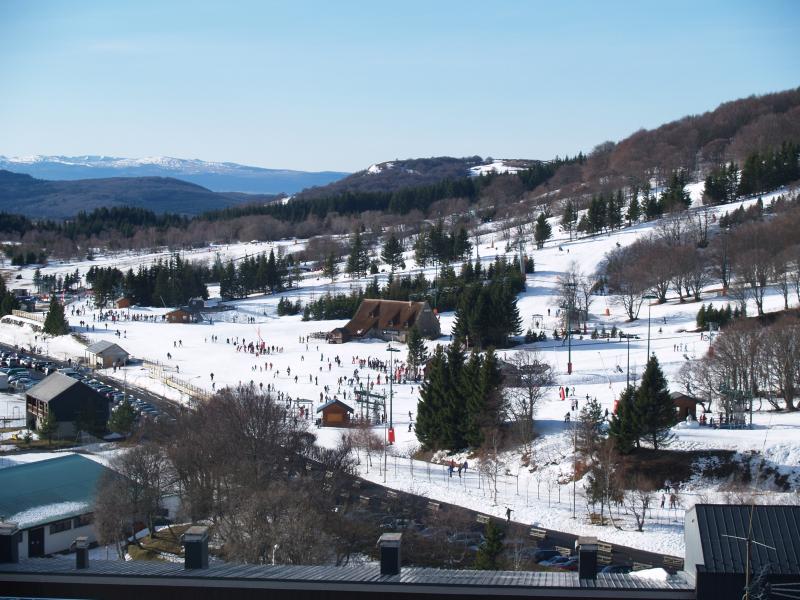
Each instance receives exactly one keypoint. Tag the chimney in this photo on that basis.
(587, 557)
(390, 553)
(9, 542)
(195, 543)
(81, 552)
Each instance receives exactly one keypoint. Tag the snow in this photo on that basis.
(47, 512)
(379, 167)
(496, 166)
(542, 497)
(657, 574)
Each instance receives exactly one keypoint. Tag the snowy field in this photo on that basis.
(304, 370)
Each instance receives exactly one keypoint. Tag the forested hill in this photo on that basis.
(387, 177)
(38, 198)
(696, 144)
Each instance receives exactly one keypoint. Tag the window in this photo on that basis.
(82, 520)
(60, 526)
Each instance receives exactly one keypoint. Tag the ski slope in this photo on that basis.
(543, 496)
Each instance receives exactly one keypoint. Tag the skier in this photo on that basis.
(508, 515)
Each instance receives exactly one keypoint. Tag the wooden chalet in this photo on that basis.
(685, 405)
(335, 413)
(389, 320)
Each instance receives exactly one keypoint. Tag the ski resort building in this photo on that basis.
(47, 504)
(68, 399)
(335, 413)
(105, 354)
(388, 320)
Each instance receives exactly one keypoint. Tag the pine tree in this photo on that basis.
(622, 429)
(417, 352)
(654, 412)
(475, 400)
(392, 253)
(454, 414)
(358, 261)
(484, 399)
(422, 249)
(614, 210)
(542, 231)
(569, 217)
(48, 427)
(490, 551)
(55, 323)
(330, 268)
(122, 418)
(634, 210)
(461, 244)
(432, 401)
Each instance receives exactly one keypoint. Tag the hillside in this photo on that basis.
(696, 143)
(215, 176)
(413, 172)
(23, 194)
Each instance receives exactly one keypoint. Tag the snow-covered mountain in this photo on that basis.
(216, 176)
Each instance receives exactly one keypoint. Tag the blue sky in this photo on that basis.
(340, 85)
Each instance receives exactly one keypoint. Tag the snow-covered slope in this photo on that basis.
(541, 496)
(216, 176)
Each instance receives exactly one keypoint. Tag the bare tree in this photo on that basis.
(526, 387)
(490, 461)
(639, 498)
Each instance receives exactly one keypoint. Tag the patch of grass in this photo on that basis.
(166, 540)
(41, 444)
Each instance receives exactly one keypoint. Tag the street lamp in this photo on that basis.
(570, 285)
(391, 349)
(649, 304)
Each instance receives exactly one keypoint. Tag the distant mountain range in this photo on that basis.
(215, 176)
(37, 198)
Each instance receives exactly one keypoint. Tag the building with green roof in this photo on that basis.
(51, 501)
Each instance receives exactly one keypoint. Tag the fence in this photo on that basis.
(33, 316)
(159, 372)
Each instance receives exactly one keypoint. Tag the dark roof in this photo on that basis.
(396, 315)
(678, 586)
(682, 396)
(52, 386)
(48, 490)
(720, 525)
(106, 347)
(332, 402)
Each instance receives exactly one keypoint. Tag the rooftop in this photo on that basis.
(416, 578)
(104, 346)
(48, 490)
(52, 386)
(723, 530)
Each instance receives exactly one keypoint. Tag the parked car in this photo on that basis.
(569, 565)
(545, 554)
(616, 569)
(555, 561)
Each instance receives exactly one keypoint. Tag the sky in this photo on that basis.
(341, 85)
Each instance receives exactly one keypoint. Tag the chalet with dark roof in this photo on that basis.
(388, 320)
(68, 400)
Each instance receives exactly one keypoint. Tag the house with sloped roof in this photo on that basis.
(50, 502)
(725, 541)
(69, 400)
(388, 320)
(105, 354)
(335, 413)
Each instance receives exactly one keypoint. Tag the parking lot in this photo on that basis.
(20, 371)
